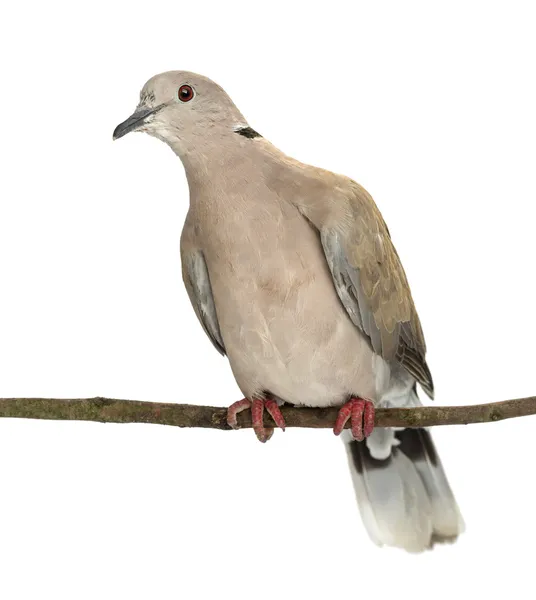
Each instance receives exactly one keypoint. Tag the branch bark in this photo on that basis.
(107, 410)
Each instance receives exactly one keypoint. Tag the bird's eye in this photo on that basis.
(186, 93)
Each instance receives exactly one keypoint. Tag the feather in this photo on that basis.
(418, 446)
(393, 502)
(403, 494)
(377, 298)
(197, 283)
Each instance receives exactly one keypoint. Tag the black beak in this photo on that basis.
(134, 121)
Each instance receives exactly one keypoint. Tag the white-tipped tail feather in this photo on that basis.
(404, 498)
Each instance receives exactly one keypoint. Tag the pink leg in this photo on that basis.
(257, 409)
(361, 415)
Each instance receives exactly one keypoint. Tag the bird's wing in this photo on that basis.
(197, 282)
(369, 277)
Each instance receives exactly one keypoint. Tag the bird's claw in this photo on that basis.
(257, 409)
(361, 415)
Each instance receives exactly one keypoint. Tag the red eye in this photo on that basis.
(186, 93)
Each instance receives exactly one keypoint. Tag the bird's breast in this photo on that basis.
(283, 325)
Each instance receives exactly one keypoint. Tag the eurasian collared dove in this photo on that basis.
(293, 275)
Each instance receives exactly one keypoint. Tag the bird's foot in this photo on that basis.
(257, 409)
(361, 415)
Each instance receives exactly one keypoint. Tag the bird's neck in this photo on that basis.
(219, 160)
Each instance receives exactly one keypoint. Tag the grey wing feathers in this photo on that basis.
(197, 282)
(372, 286)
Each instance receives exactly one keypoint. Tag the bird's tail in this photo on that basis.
(403, 494)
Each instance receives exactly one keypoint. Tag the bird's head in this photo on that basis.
(179, 108)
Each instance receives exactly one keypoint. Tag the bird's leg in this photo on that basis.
(361, 415)
(257, 407)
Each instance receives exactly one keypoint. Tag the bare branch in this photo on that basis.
(106, 410)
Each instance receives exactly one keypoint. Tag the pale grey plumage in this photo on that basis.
(292, 273)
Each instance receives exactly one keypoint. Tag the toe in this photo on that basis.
(275, 412)
(233, 411)
(257, 411)
(368, 418)
(263, 433)
(342, 418)
(358, 408)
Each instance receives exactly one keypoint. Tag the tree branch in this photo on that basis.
(106, 410)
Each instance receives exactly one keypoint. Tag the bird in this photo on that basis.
(293, 275)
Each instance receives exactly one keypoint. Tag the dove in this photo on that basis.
(293, 276)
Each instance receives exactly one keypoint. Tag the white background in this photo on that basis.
(432, 109)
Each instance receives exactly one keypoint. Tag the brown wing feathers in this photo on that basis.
(372, 285)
